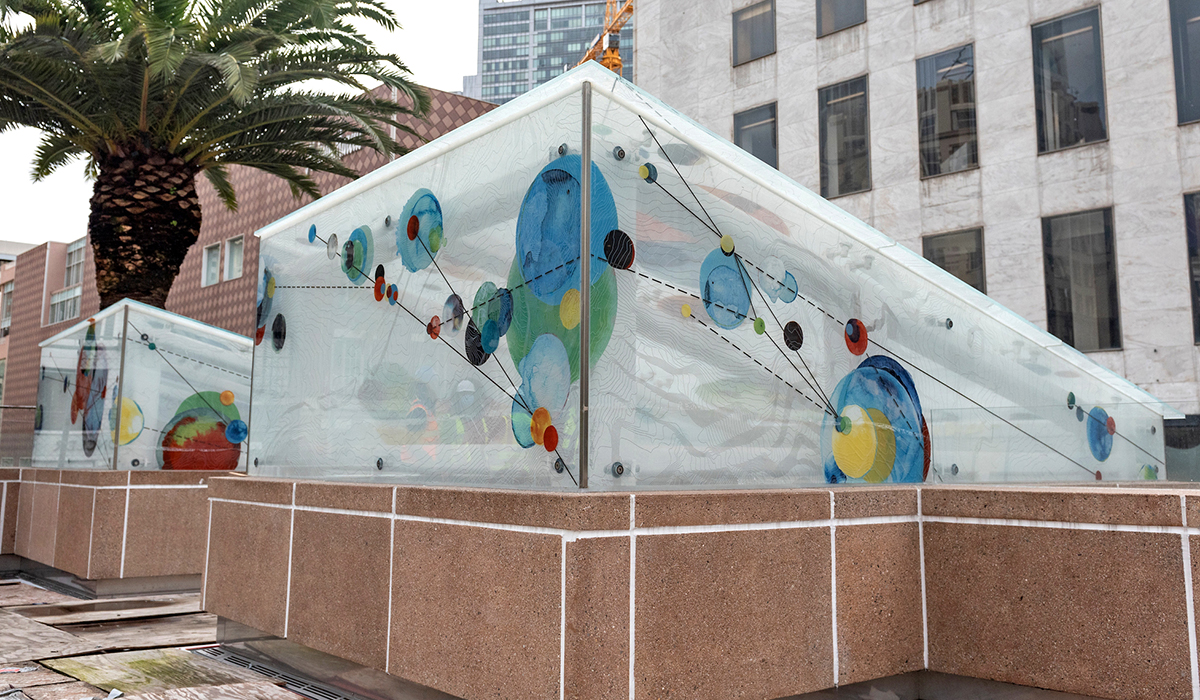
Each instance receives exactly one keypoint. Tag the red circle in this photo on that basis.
(379, 285)
(1111, 425)
(258, 335)
(859, 346)
(928, 449)
(414, 225)
(550, 438)
(434, 328)
(1097, 476)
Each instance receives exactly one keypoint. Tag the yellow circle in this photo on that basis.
(226, 398)
(643, 172)
(568, 309)
(868, 450)
(271, 287)
(687, 310)
(727, 244)
(132, 421)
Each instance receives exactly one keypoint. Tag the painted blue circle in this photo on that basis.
(1099, 441)
(725, 289)
(236, 431)
(548, 228)
(312, 233)
(504, 297)
(789, 289)
(357, 254)
(393, 295)
(489, 336)
(1080, 414)
(424, 207)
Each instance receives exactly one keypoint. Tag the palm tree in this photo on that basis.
(154, 92)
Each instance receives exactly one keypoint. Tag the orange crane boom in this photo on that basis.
(606, 48)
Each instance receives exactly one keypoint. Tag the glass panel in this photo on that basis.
(233, 259)
(1192, 212)
(946, 112)
(1068, 79)
(755, 131)
(754, 32)
(836, 15)
(960, 254)
(212, 265)
(1081, 280)
(184, 398)
(540, 19)
(1185, 33)
(413, 379)
(845, 151)
(750, 317)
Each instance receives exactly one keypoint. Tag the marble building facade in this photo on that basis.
(1142, 170)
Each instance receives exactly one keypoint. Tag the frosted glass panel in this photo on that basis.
(184, 396)
(423, 325)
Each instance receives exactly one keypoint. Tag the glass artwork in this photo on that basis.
(425, 324)
(182, 402)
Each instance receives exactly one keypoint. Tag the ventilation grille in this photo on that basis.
(292, 682)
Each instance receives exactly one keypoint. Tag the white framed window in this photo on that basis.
(211, 272)
(75, 256)
(6, 302)
(233, 258)
(64, 305)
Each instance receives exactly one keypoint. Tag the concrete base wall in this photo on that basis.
(720, 594)
(107, 524)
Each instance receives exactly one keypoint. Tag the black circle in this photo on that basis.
(949, 323)
(618, 249)
(793, 335)
(954, 469)
(66, 383)
(618, 469)
(618, 153)
(256, 461)
(559, 465)
(474, 340)
(378, 272)
(135, 462)
(379, 464)
(278, 332)
(145, 337)
(387, 222)
(562, 149)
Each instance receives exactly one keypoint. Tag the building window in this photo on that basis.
(1191, 205)
(754, 132)
(64, 305)
(845, 151)
(959, 253)
(1185, 34)
(946, 112)
(1081, 280)
(233, 258)
(836, 15)
(754, 32)
(6, 303)
(1068, 81)
(2, 368)
(75, 256)
(211, 274)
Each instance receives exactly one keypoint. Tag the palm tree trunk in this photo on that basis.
(145, 215)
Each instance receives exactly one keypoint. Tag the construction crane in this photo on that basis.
(606, 47)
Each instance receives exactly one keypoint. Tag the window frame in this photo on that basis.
(733, 59)
(1103, 78)
(974, 111)
(774, 105)
(925, 238)
(1175, 63)
(204, 281)
(835, 31)
(79, 246)
(75, 294)
(865, 77)
(1110, 221)
(1192, 291)
(227, 258)
(6, 304)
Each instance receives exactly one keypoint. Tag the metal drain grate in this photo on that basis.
(292, 682)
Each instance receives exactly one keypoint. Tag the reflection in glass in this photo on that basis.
(1185, 33)
(960, 254)
(754, 32)
(1068, 81)
(836, 15)
(1081, 280)
(845, 154)
(946, 111)
(754, 131)
(1192, 208)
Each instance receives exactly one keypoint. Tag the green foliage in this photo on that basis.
(276, 85)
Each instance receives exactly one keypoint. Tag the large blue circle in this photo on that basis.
(415, 252)
(1099, 441)
(548, 234)
(725, 289)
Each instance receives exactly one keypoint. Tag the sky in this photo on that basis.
(438, 42)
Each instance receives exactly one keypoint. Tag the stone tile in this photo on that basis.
(476, 611)
(592, 511)
(172, 477)
(254, 490)
(247, 575)
(74, 539)
(733, 614)
(730, 507)
(10, 474)
(880, 627)
(50, 476)
(346, 496)
(339, 595)
(167, 533)
(1079, 611)
(39, 528)
(1126, 507)
(108, 534)
(95, 477)
(8, 518)
(865, 502)
(597, 619)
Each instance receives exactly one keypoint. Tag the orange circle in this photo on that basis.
(541, 421)
(227, 398)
